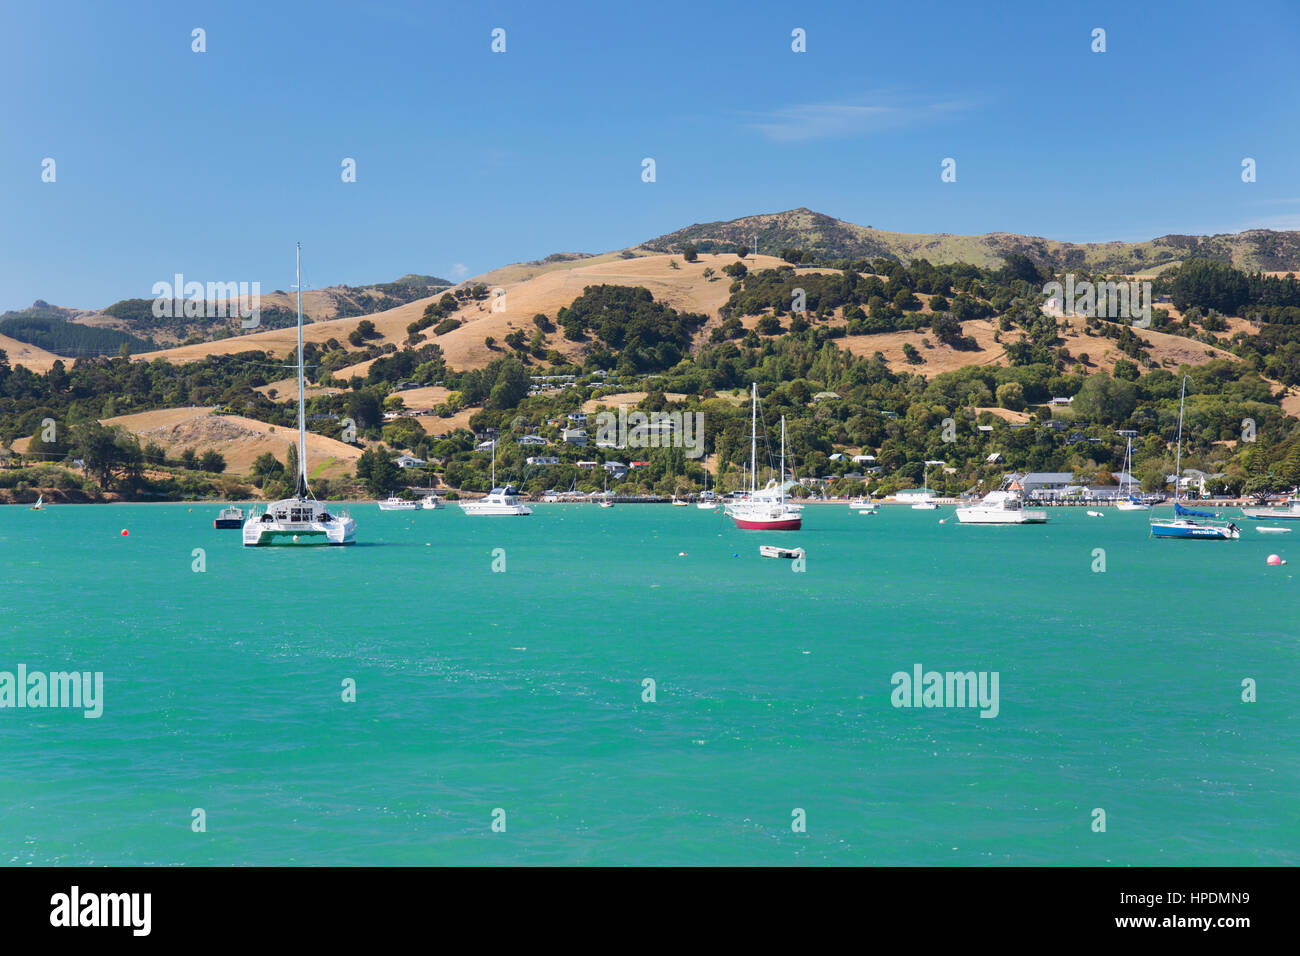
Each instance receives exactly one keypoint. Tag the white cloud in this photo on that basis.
(459, 270)
(809, 121)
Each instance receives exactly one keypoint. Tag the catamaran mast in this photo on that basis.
(1178, 460)
(302, 490)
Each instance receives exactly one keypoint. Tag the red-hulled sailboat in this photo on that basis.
(766, 509)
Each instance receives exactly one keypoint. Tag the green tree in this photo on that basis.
(1011, 395)
(213, 461)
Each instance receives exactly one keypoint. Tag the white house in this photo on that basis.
(532, 440)
(543, 460)
(409, 461)
(574, 436)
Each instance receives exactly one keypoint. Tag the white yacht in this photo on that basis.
(927, 502)
(500, 502)
(394, 503)
(1001, 507)
(301, 518)
(1130, 502)
(432, 503)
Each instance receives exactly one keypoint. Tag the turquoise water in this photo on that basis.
(522, 690)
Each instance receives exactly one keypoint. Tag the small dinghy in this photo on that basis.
(1095, 514)
(773, 551)
(1273, 530)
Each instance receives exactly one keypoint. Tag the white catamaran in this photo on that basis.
(301, 518)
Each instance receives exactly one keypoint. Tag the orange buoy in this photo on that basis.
(125, 532)
(1275, 559)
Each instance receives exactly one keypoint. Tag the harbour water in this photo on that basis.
(522, 689)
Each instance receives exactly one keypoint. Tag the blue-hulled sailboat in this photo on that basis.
(1187, 522)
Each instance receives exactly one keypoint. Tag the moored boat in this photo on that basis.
(300, 518)
(1274, 514)
(1188, 523)
(229, 517)
(1000, 507)
(774, 551)
(765, 510)
(394, 503)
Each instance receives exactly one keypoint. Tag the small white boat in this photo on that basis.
(1095, 514)
(1273, 514)
(1273, 530)
(394, 503)
(40, 504)
(230, 517)
(865, 505)
(679, 503)
(773, 551)
(432, 503)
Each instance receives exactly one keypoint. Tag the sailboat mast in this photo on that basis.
(1178, 460)
(782, 458)
(753, 436)
(302, 414)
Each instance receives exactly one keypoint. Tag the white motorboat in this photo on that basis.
(432, 503)
(864, 505)
(500, 502)
(394, 503)
(229, 517)
(1273, 530)
(1273, 514)
(301, 518)
(1000, 507)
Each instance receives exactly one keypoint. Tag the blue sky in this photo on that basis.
(214, 164)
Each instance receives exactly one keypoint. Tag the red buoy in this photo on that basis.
(125, 532)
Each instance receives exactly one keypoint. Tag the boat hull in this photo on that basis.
(1193, 532)
(965, 516)
(768, 524)
(1264, 514)
(259, 534)
(475, 510)
(227, 524)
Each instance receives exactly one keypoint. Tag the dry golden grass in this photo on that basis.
(33, 358)
(625, 398)
(240, 440)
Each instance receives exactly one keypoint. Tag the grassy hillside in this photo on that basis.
(829, 239)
